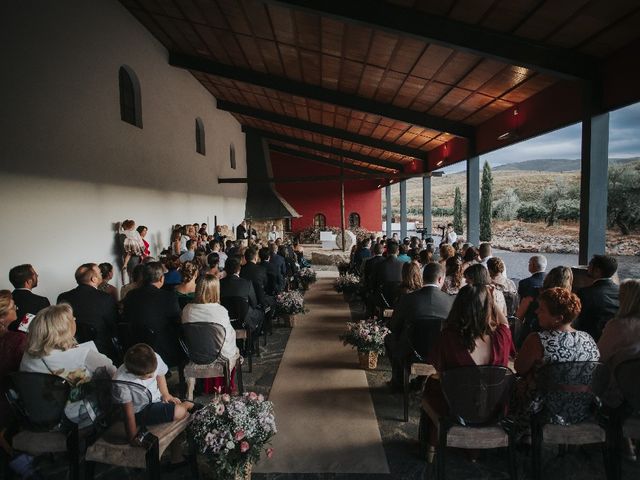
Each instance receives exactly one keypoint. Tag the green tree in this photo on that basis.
(623, 209)
(486, 202)
(457, 212)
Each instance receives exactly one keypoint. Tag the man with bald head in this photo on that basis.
(93, 309)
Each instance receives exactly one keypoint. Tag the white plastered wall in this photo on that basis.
(70, 168)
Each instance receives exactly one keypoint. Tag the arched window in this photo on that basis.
(232, 156)
(354, 220)
(319, 221)
(200, 148)
(287, 225)
(130, 97)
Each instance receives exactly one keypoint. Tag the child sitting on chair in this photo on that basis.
(144, 367)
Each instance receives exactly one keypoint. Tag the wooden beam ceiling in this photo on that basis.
(440, 30)
(321, 94)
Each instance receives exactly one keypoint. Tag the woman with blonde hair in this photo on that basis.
(52, 348)
(206, 308)
(621, 335)
(186, 291)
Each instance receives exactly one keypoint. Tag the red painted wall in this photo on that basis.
(310, 198)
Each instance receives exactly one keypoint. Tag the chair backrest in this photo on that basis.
(39, 398)
(570, 390)
(108, 395)
(238, 308)
(477, 395)
(512, 300)
(627, 375)
(390, 291)
(203, 341)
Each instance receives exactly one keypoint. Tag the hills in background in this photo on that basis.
(557, 165)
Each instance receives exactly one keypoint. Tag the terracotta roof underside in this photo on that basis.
(287, 44)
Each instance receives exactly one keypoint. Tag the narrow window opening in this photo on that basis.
(200, 146)
(130, 97)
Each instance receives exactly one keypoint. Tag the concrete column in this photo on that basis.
(426, 205)
(473, 200)
(593, 186)
(403, 209)
(387, 193)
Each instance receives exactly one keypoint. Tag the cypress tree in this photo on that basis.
(486, 200)
(457, 212)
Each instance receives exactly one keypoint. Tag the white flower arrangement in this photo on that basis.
(290, 303)
(346, 283)
(365, 336)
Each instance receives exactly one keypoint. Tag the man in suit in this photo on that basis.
(93, 309)
(234, 286)
(417, 321)
(600, 301)
(24, 279)
(367, 277)
(530, 287)
(153, 315)
(275, 281)
(278, 261)
(258, 276)
(241, 233)
(388, 273)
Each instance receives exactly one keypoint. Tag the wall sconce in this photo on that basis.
(439, 163)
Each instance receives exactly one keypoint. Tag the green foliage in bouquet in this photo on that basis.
(290, 303)
(346, 283)
(365, 336)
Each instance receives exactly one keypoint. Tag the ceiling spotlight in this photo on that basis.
(439, 163)
(505, 136)
(515, 112)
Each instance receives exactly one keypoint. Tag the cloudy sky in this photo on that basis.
(624, 141)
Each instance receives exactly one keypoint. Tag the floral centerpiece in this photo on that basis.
(367, 336)
(306, 276)
(346, 283)
(230, 433)
(290, 303)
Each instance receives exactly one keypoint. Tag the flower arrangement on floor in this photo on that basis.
(346, 283)
(230, 434)
(365, 336)
(306, 276)
(290, 303)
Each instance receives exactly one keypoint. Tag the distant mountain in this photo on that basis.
(557, 164)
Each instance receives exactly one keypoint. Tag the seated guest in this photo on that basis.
(495, 266)
(389, 270)
(411, 278)
(176, 235)
(52, 348)
(136, 283)
(299, 251)
(279, 263)
(172, 275)
(425, 257)
(190, 254)
(257, 276)
(528, 290)
(206, 308)
(453, 279)
(557, 342)
(620, 339)
(403, 255)
(275, 282)
(471, 257)
(93, 309)
(417, 320)
(106, 270)
(153, 315)
(484, 253)
(200, 261)
(234, 286)
(12, 346)
(475, 333)
(599, 301)
(362, 253)
(446, 251)
(479, 275)
(185, 292)
(24, 279)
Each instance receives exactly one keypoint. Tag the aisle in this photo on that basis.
(324, 412)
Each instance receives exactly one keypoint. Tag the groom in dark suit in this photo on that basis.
(24, 279)
(417, 321)
(234, 286)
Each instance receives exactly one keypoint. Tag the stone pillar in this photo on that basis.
(387, 193)
(593, 186)
(403, 209)
(426, 205)
(473, 200)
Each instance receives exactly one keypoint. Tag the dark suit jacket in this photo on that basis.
(275, 281)
(280, 264)
(389, 270)
(600, 303)
(152, 308)
(233, 286)
(258, 277)
(369, 267)
(27, 302)
(418, 318)
(529, 287)
(96, 309)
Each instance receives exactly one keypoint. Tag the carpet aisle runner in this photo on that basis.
(324, 412)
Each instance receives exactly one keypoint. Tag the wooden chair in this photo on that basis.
(477, 397)
(238, 309)
(570, 393)
(202, 343)
(39, 400)
(112, 446)
(627, 417)
(415, 366)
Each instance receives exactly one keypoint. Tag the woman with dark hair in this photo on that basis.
(186, 291)
(176, 235)
(475, 333)
(470, 257)
(446, 251)
(12, 346)
(106, 269)
(172, 276)
(478, 274)
(453, 279)
(142, 230)
(411, 278)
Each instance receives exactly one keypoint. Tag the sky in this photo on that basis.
(624, 141)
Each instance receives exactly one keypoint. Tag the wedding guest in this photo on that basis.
(106, 270)
(216, 247)
(446, 251)
(479, 275)
(176, 235)
(484, 253)
(190, 254)
(470, 257)
(24, 279)
(185, 292)
(52, 348)
(206, 308)
(136, 283)
(142, 230)
(453, 279)
(499, 280)
(411, 278)
(133, 246)
(12, 346)
(172, 275)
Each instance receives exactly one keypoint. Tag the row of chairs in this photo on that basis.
(478, 398)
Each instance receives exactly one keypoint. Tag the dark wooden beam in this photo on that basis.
(321, 94)
(317, 178)
(322, 130)
(324, 148)
(481, 41)
(325, 160)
